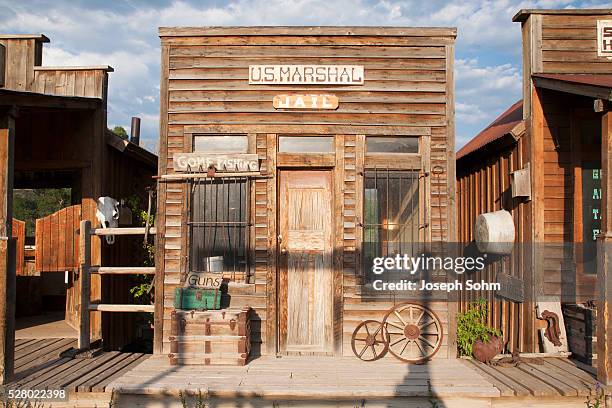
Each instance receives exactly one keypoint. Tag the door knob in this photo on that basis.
(283, 250)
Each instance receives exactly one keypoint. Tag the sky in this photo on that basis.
(123, 34)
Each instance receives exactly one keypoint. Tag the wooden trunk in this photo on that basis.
(581, 326)
(210, 337)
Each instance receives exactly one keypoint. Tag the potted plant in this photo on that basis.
(474, 337)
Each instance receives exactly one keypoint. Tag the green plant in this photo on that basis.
(142, 290)
(200, 401)
(471, 326)
(599, 400)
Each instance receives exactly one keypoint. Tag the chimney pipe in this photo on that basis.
(135, 131)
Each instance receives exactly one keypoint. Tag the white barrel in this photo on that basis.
(494, 232)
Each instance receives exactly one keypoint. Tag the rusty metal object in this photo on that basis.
(485, 351)
(552, 331)
(370, 340)
(414, 332)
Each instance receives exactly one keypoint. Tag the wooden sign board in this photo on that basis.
(306, 75)
(511, 288)
(206, 280)
(201, 161)
(604, 38)
(305, 102)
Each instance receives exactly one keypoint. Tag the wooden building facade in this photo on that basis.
(350, 136)
(54, 135)
(556, 143)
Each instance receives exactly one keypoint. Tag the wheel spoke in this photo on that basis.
(363, 351)
(396, 326)
(356, 339)
(421, 326)
(398, 341)
(429, 343)
(420, 348)
(399, 316)
(420, 317)
(367, 330)
(405, 345)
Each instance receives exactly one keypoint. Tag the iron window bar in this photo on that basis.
(219, 225)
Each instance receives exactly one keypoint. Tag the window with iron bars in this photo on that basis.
(391, 215)
(219, 226)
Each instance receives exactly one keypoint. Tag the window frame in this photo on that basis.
(416, 162)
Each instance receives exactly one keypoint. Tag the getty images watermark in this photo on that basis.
(406, 265)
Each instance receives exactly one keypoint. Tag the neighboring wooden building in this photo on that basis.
(54, 134)
(345, 141)
(559, 134)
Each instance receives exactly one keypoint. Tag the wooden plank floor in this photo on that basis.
(38, 365)
(338, 378)
(538, 377)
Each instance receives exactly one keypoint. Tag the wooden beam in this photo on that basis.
(7, 257)
(31, 99)
(592, 91)
(382, 130)
(84, 283)
(604, 261)
(2, 64)
(123, 270)
(536, 155)
(158, 316)
(308, 31)
(122, 231)
(121, 308)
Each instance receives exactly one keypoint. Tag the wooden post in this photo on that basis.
(604, 261)
(85, 283)
(7, 255)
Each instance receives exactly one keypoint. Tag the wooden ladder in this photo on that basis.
(86, 269)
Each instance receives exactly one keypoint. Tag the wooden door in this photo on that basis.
(305, 261)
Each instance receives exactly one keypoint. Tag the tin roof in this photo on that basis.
(503, 125)
(593, 85)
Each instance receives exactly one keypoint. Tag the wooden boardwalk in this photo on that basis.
(39, 365)
(550, 382)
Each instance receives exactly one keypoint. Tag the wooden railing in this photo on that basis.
(87, 269)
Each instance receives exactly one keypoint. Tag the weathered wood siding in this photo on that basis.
(569, 45)
(22, 54)
(57, 247)
(408, 90)
(91, 82)
(484, 186)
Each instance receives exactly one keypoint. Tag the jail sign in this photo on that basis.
(202, 161)
(604, 38)
(305, 102)
(306, 74)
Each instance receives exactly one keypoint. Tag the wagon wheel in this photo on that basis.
(414, 332)
(370, 340)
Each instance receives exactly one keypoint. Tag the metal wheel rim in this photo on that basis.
(414, 332)
(370, 341)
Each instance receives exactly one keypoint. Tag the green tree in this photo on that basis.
(30, 204)
(120, 131)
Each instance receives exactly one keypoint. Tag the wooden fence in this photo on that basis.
(57, 245)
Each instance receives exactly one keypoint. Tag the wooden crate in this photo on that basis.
(213, 337)
(580, 323)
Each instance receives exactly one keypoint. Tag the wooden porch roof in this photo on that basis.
(9, 97)
(592, 85)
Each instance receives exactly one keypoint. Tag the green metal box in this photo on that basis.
(197, 299)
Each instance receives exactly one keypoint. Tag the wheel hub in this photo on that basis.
(412, 331)
(370, 340)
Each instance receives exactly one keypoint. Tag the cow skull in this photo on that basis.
(107, 213)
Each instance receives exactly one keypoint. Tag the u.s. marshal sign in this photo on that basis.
(306, 74)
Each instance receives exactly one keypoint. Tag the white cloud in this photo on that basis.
(125, 36)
